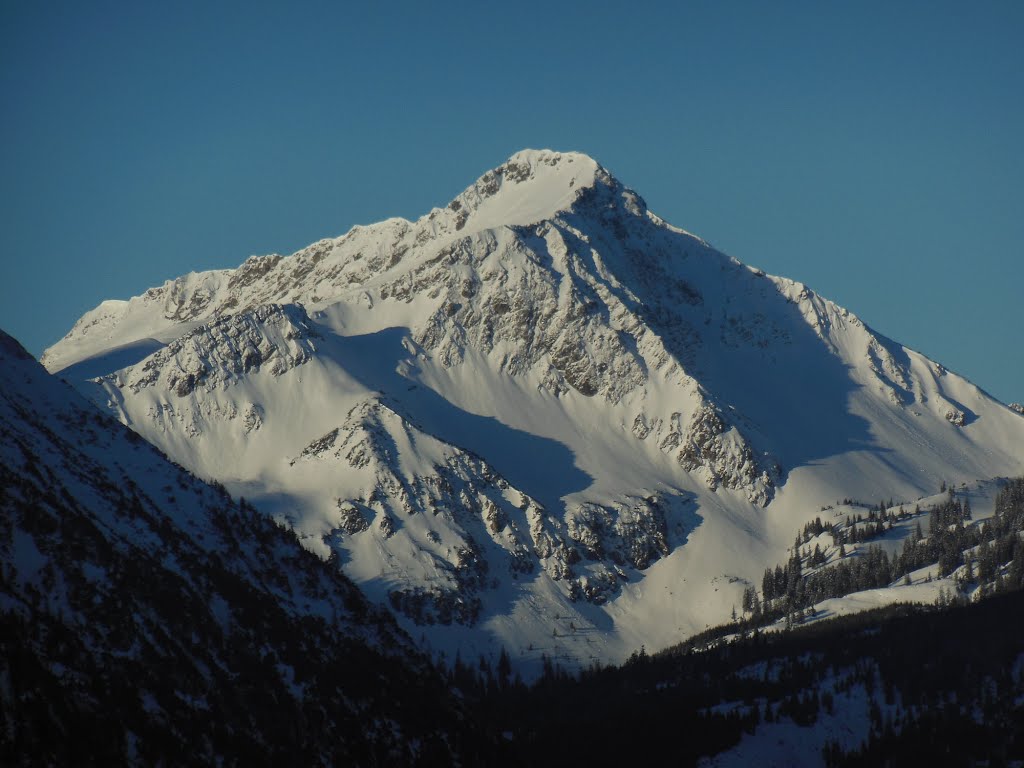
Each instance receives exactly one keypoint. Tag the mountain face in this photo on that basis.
(147, 617)
(540, 417)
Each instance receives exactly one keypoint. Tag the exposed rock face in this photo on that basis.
(956, 417)
(530, 320)
(476, 529)
(223, 351)
(722, 456)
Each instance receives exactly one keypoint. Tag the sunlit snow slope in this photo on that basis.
(539, 417)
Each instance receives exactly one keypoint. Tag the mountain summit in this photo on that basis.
(532, 186)
(540, 417)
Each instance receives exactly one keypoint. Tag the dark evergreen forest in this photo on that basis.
(944, 687)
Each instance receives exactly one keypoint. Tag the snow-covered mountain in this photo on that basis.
(147, 617)
(540, 417)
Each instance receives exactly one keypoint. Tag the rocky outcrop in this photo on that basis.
(272, 337)
(473, 526)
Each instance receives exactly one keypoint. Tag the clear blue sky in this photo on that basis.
(871, 150)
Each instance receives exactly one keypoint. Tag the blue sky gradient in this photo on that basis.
(870, 150)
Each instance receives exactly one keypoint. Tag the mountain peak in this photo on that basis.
(534, 158)
(531, 186)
